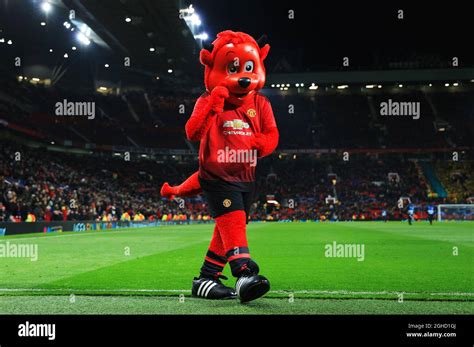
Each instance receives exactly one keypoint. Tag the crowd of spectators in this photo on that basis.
(60, 186)
(37, 184)
(457, 179)
(358, 189)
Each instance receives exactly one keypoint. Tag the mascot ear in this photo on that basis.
(205, 57)
(264, 51)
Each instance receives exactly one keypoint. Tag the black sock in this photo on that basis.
(213, 265)
(239, 261)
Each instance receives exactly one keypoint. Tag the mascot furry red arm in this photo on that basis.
(231, 117)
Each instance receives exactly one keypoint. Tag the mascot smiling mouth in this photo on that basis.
(240, 95)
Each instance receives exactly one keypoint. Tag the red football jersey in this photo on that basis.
(225, 153)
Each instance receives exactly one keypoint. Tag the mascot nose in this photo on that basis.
(244, 82)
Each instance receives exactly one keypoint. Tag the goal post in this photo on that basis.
(455, 212)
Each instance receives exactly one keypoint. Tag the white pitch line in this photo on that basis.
(330, 292)
(72, 291)
(77, 233)
(74, 233)
(348, 292)
(83, 233)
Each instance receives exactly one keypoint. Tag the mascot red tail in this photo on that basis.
(235, 125)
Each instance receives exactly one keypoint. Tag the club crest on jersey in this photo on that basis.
(251, 112)
(227, 203)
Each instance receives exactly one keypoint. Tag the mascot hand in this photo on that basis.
(217, 98)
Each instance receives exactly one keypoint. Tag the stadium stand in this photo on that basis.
(457, 179)
(153, 119)
(65, 186)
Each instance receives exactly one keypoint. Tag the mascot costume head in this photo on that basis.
(235, 62)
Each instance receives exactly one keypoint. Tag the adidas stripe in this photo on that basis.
(205, 288)
(209, 289)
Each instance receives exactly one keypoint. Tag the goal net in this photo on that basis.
(456, 212)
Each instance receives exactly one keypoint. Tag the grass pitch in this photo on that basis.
(420, 269)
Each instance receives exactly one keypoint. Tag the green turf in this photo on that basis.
(417, 261)
(173, 305)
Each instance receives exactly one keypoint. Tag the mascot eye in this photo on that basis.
(248, 66)
(232, 68)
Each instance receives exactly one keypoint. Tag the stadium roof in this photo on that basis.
(304, 39)
(95, 39)
(151, 24)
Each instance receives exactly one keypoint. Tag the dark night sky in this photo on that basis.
(321, 34)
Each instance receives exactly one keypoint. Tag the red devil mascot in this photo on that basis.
(235, 125)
